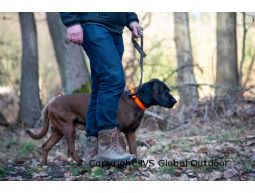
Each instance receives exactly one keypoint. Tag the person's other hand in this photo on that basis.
(136, 29)
(75, 34)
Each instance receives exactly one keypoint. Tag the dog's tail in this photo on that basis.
(40, 120)
(45, 129)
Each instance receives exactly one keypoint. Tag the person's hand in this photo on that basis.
(136, 29)
(75, 34)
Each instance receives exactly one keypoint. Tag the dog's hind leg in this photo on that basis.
(70, 138)
(54, 138)
(131, 140)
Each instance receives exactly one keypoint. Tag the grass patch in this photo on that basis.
(2, 173)
(247, 169)
(75, 170)
(6, 171)
(27, 148)
(183, 144)
(98, 173)
(129, 178)
(135, 166)
(167, 148)
(168, 170)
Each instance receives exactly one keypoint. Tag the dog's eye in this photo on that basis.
(167, 89)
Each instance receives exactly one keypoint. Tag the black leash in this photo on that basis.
(139, 48)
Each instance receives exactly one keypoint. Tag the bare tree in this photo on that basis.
(185, 76)
(226, 72)
(72, 65)
(29, 99)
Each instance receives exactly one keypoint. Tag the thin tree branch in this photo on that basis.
(181, 68)
(249, 70)
(243, 50)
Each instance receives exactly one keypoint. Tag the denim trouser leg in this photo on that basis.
(104, 49)
(91, 121)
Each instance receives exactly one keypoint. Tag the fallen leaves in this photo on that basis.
(203, 149)
(215, 175)
(151, 142)
(201, 141)
(39, 176)
(250, 140)
(184, 177)
(229, 173)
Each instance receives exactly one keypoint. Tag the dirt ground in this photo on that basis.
(198, 145)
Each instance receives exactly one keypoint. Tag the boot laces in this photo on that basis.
(114, 142)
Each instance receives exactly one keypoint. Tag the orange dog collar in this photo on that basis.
(136, 99)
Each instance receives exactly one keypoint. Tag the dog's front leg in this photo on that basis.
(131, 140)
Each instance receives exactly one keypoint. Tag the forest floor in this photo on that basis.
(226, 142)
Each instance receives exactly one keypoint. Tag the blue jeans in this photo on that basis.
(104, 49)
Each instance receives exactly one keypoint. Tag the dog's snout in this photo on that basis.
(172, 102)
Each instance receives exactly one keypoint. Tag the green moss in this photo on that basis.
(85, 88)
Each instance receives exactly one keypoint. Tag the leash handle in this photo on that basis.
(142, 55)
(139, 48)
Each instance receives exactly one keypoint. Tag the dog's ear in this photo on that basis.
(156, 85)
(145, 93)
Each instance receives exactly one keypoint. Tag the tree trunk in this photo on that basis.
(226, 73)
(72, 65)
(3, 121)
(30, 100)
(185, 76)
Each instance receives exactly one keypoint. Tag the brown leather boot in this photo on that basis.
(90, 152)
(122, 140)
(110, 148)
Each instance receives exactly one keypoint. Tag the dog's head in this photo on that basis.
(156, 92)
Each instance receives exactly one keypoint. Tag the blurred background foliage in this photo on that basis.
(159, 43)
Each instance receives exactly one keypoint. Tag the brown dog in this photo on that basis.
(66, 111)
